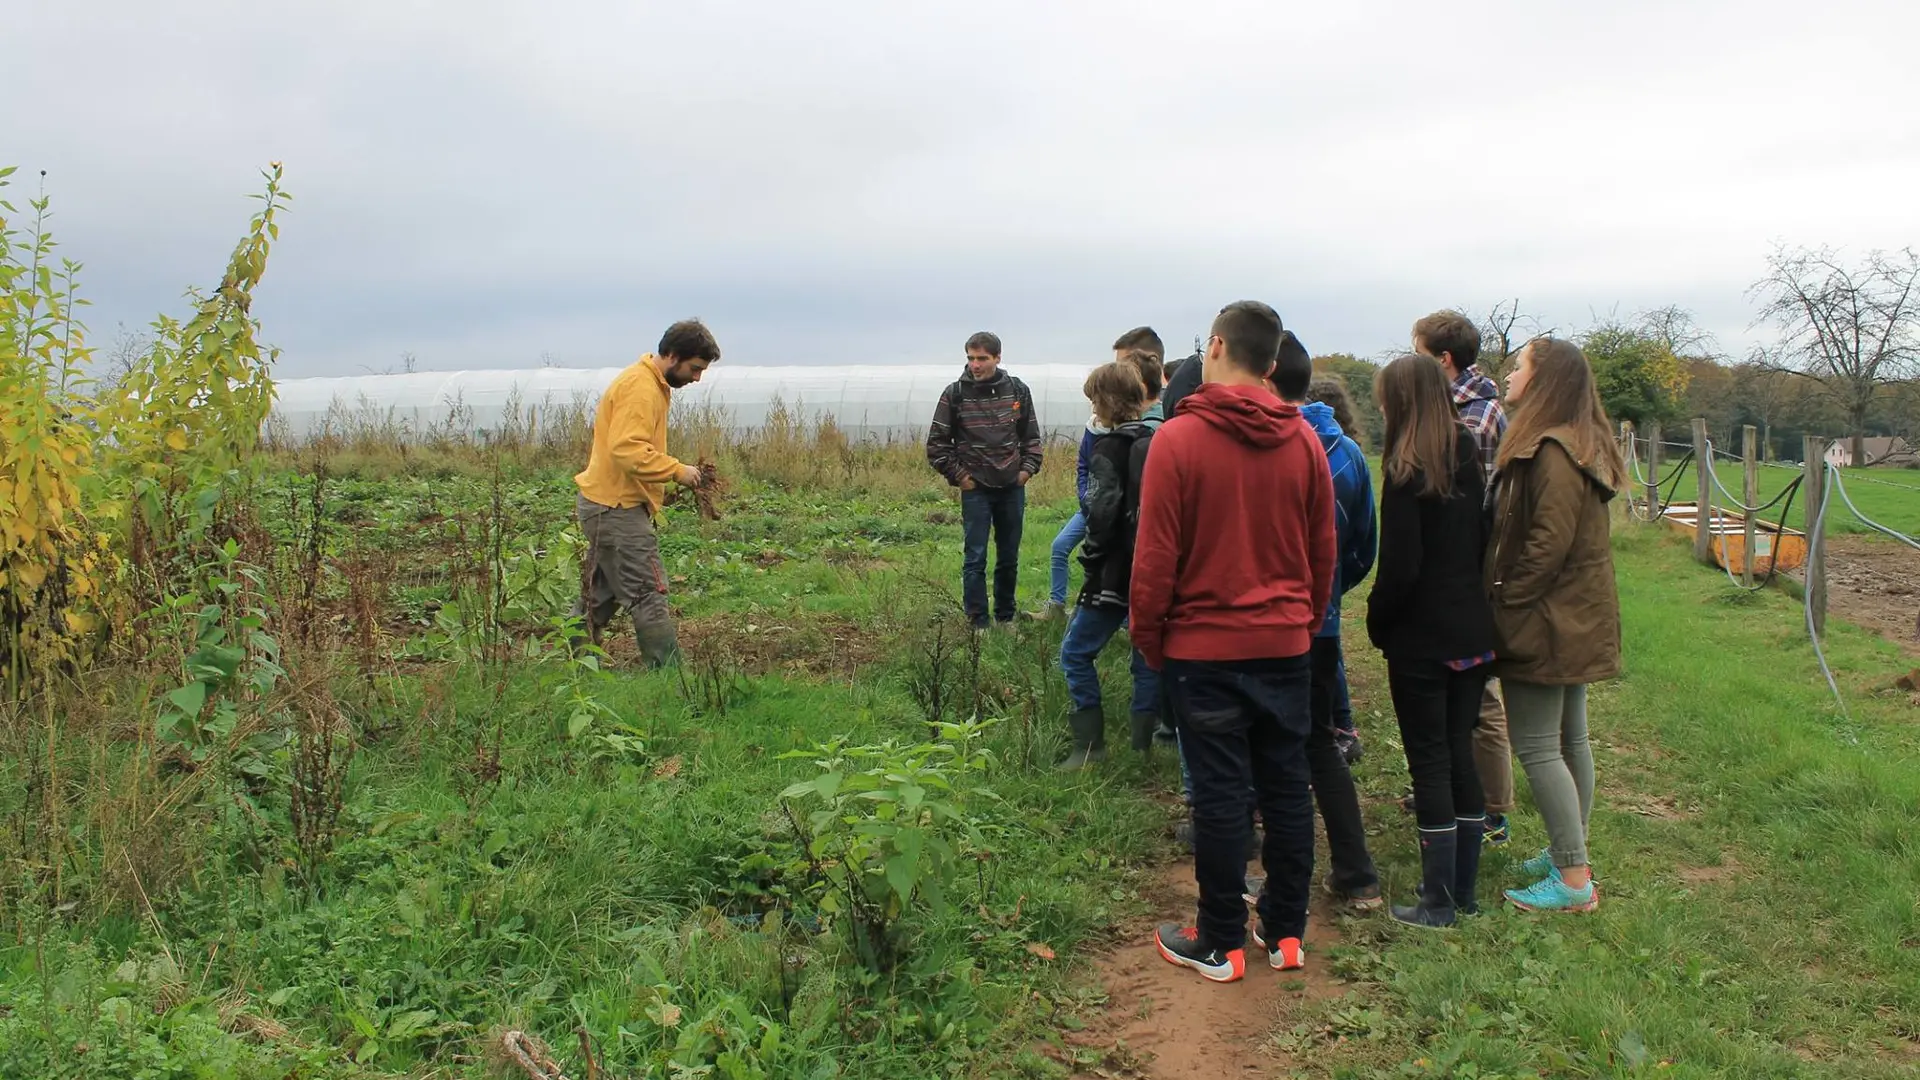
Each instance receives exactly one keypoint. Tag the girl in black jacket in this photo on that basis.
(1112, 508)
(1428, 614)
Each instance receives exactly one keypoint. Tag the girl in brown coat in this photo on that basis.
(1556, 613)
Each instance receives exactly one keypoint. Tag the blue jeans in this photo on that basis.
(1000, 512)
(1245, 724)
(1074, 531)
(1087, 634)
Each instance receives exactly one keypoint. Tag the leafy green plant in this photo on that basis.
(599, 727)
(888, 830)
(233, 662)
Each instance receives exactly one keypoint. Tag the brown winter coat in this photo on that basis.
(1556, 613)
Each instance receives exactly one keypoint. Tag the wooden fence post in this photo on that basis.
(1748, 449)
(1653, 472)
(1814, 491)
(1703, 506)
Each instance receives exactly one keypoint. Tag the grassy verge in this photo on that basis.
(1759, 869)
(526, 845)
(1888, 496)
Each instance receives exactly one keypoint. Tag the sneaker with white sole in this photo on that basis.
(1287, 954)
(1181, 945)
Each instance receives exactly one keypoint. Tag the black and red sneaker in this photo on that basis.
(1287, 954)
(1181, 945)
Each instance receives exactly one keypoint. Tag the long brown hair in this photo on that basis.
(1561, 393)
(1421, 428)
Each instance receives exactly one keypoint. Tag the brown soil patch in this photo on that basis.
(1696, 876)
(1875, 582)
(1167, 1023)
(1660, 807)
(802, 644)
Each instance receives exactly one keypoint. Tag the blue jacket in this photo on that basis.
(1353, 519)
(1093, 432)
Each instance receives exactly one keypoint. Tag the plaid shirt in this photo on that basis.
(1477, 399)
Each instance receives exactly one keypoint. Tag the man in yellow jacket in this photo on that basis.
(624, 485)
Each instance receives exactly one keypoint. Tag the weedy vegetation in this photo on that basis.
(298, 778)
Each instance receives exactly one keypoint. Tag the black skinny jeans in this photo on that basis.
(1332, 780)
(1243, 732)
(1437, 708)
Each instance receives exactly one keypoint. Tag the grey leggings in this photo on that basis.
(1548, 725)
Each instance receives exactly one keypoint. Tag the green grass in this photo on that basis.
(1757, 850)
(1759, 864)
(626, 890)
(1888, 496)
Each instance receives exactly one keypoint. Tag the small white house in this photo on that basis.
(1879, 451)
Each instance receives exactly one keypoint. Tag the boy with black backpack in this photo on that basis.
(1119, 395)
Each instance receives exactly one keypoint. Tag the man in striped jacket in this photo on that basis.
(985, 439)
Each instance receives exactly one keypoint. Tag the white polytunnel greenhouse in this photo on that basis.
(867, 402)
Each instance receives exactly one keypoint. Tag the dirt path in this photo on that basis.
(1166, 1023)
(1875, 582)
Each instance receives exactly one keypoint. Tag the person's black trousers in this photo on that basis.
(1245, 724)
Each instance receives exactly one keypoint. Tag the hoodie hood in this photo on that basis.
(1252, 415)
(1319, 416)
(1563, 437)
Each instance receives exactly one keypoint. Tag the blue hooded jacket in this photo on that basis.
(1087, 437)
(1354, 525)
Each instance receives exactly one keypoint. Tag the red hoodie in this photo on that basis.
(1236, 554)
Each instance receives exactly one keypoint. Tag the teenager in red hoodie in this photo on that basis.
(1233, 566)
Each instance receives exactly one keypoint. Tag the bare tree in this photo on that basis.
(127, 354)
(1851, 329)
(1765, 391)
(1673, 327)
(408, 361)
(1503, 332)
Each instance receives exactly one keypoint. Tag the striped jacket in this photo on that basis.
(986, 430)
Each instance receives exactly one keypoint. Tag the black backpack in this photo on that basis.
(1141, 432)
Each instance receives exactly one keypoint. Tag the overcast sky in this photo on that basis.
(481, 183)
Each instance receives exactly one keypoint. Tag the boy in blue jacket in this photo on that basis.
(1141, 348)
(1353, 879)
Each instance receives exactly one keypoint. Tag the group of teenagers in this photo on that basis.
(1225, 508)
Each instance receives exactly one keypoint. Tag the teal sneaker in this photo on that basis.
(1540, 865)
(1552, 894)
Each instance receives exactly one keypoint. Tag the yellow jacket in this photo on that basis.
(629, 465)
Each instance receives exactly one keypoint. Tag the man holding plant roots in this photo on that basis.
(624, 485)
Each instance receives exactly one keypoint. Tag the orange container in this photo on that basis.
(1728, 539)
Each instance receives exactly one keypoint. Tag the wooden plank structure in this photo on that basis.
(1727, 539)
